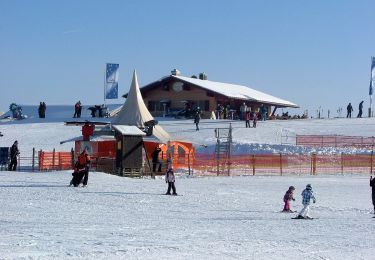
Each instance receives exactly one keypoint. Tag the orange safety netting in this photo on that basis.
(335, 141)
(279, 164)
(55, 161)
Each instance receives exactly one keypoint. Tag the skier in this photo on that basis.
(349, 110)
(372, 184)
(81, 170)
(14, 152)
(360, 108)
(170, 179)
(307, 195)
(247, 118)
(287, 198)
(243, 110)
(255, 119)
(197, 118)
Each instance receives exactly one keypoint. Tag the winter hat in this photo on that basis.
(292, 188)
(308, 186)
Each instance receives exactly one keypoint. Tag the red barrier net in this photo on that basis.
(335, 141)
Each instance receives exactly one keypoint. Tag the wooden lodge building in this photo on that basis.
(175, 92)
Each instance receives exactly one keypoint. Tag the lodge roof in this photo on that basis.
(229, 90)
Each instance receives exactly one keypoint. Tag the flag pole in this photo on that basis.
(371, 87)
(105, 75)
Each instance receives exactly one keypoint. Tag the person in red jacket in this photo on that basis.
(81, 170)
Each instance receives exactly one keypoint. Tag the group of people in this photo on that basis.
(307, 195)
(349, 110)
(250, 116)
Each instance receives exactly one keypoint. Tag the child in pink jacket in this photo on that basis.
(287, 198)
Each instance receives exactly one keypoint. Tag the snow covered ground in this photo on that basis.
(215, 218)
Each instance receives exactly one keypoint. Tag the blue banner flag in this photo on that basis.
(372, 75)
(111, 81)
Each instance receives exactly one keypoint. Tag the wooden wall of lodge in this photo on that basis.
(194, 94)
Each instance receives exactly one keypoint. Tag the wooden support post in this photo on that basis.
(281, 164)
(33, 160)
(342, 163)
(72, 157)
(253, 161)
(313, 164)
(371, 160)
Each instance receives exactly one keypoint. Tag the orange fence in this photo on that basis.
(280, 164)
(335, 141)
(55, 161)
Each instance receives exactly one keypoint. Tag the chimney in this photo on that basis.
(175, 72)
(202, 76)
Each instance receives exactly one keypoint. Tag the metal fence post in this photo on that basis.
(53, 159)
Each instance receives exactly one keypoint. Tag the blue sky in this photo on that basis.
(313, 53)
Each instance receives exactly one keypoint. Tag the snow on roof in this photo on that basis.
(236, 91)
(129, 130)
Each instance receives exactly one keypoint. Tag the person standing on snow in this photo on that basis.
(349, 110)
(77, 109)
(360, 108)
(170, 179)
(307, 195)
(247, 118)
(287, 198)
(372, 184)
(197, 118)
(14, 152)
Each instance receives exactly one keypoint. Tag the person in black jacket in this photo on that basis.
(372, 184)
(349, 110)
(155, 159)
(14, 152)
(197, 118)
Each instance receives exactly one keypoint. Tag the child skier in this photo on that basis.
(307, 195)
(170, 179)
(287, 198)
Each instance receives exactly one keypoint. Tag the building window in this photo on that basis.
(204, 105)
(155, 106)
